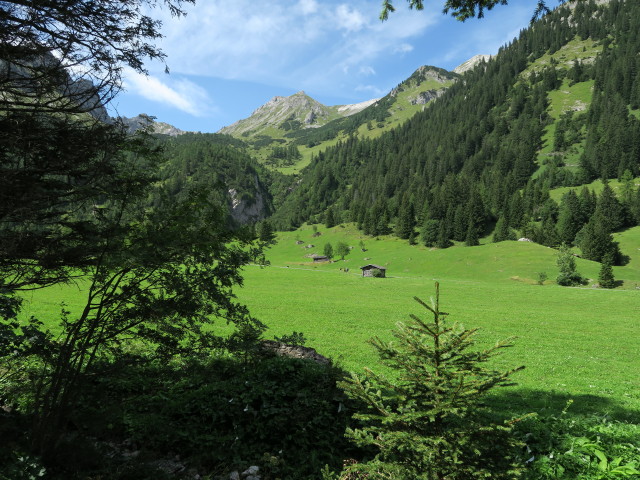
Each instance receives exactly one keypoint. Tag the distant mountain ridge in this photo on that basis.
(145, 121)
(302, 126)
(291, 113)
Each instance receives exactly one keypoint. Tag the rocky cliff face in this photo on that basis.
(145, 121)
(248, 208)
(425, 97)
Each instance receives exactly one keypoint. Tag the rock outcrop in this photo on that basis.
(249, 208)
(471, 63)
(143, 120)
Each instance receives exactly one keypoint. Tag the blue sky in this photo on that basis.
(228, 58)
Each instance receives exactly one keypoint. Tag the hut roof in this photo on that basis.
(370, 266)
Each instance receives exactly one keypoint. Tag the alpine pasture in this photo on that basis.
(577, 344)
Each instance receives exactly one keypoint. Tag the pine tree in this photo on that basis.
(429, 232)
(265, 233)
(605, 277)
(329, 219)
(516, 211)
(460, 223)
(471, 239)
(588, 202)
(569, 218)
(430, 422)
(443, 240)
(406, 221)
(610, 210)
(502, 231)
(634, 206)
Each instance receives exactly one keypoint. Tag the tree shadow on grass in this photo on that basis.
(516, 402)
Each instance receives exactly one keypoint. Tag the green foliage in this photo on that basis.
(328, 250)
(476, 153)
(605, 277)
(219, 163)
(285, 415)
(566, 263)
(377, 273)
(580, 448)
(429, 422)
(503, 231)
(541, 277)
(406, 221)
(342, 250)
(329, 218)
(20, 466)
(460, 9)
(294, 338)
(265, 233)
(429, 232)
(596, 242)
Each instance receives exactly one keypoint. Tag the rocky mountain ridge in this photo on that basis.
(471, 63)
(291, 113)
(146, 121)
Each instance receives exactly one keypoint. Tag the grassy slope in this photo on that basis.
(575, 97)
(575, 342)
(578, 342)
(595, 186)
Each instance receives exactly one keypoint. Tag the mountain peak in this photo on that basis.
(285, 113)
(146, 121)
(471, 63)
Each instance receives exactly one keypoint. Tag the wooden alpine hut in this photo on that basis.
(368, 271)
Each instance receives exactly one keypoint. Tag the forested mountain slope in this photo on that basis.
(474, 158)
(286, 131)
(221, 164)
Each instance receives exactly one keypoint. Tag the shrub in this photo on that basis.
(542, 277)
(285, 415)
(377, 273)
(580, 448)
(566, 262)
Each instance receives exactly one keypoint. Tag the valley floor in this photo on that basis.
(576, 343)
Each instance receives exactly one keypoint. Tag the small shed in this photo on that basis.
(367, 270)
(320, 258)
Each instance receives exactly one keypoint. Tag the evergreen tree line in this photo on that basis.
(464, 166)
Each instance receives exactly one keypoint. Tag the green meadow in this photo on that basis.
(576, 343)
(579, 343)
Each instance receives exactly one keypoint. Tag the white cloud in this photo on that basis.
(181, 93)
(378, 92)
(307, 44)
(349, 19)
(403, 48)
(307, 7)
(367, 70)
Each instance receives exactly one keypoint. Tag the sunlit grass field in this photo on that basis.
(581, 343)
